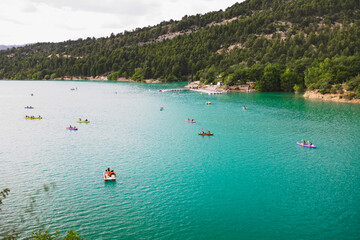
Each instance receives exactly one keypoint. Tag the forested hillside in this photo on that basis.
(277, 43)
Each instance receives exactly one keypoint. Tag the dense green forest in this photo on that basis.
(277, 43)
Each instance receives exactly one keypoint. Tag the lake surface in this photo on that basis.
(248, 181)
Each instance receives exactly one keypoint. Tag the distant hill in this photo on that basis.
(5, 47)
(277, 43)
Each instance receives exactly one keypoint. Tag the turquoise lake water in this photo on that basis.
(248, 181)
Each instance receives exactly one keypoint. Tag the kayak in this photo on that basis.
(245, 108)
(186, 120)
(81, 121)
(206, 134)
(108, 178)
(73, 128)
(29, 107)
(208, 103)
(33, 117)
(306, 145)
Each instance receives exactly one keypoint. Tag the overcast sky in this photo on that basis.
(30, 21)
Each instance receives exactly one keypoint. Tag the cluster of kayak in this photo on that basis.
(79, 121)
(31, 117)
(69, 128)
(208, 133)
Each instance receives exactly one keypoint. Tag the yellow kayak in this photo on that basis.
(81, 121)
(33, 117)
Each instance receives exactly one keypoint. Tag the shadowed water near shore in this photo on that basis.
(248, 181)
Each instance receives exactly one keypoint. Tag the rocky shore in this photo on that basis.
(332, 97)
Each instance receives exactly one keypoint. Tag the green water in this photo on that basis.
(248, 181)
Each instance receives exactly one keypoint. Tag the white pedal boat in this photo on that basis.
(109, 178)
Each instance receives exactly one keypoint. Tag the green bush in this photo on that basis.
(338, 86)
(324, 91)
(311, 86)
(333, 91)
(350, 96)
(353, 83)
(298, 87)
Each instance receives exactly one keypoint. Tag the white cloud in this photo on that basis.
(29, 21)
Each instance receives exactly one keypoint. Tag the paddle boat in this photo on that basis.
(190, 121)
(32, 117)
(206, 134)
(83, 121)
(29, 107)
(72, 128)
(305, 145)
(208, 103)
(112, 176)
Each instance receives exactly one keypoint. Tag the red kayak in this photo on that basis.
(207, 134)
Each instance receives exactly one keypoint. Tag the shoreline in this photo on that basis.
(207, 89)
(328, 97)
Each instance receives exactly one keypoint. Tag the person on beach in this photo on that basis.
(79, 119)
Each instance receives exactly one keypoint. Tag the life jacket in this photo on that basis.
(109, 173)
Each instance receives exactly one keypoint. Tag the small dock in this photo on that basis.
(172, 90)
(208, 91)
